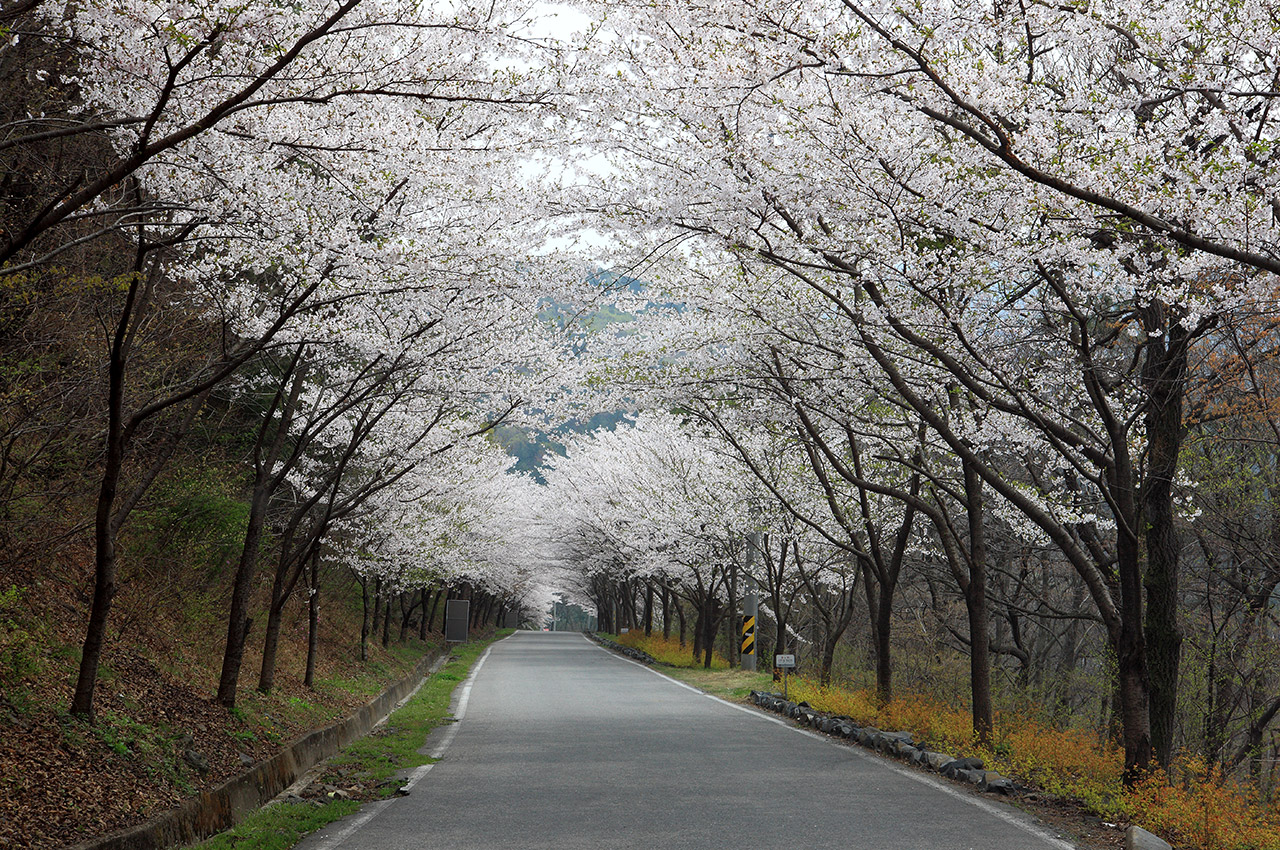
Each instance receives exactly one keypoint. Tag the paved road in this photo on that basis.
(563, 745)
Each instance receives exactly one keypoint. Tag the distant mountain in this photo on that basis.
(531, 447)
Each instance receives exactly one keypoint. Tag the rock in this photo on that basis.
(246, 760)
(898, 743)
(973, 777)
(912, 754)
(1137, 838)
(845, 730)
(196, 760)
(956, 765)
(937, 760)
(994, 783)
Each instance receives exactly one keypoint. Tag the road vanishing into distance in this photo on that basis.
(564, 745)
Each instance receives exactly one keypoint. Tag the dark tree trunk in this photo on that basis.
(424, 621)
(313, 622)
(699, 633)
(265, 481)
(648, 609)
(710, 622)
(386, 624)
(377, 606)
(666, 612)
(880, 611)
(680, 617)
(435, 603)
(975, 598)
(406, 613)
(1164, 378)
(104, 529)
(365, 618)
(289, 567)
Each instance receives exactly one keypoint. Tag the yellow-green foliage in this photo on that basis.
(1203, 810)
(1197, 809)
(1068, 762)
(943, 728)
(669, 650)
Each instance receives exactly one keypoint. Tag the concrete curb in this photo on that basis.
(223, 807)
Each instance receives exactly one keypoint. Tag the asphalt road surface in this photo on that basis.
(563, 745)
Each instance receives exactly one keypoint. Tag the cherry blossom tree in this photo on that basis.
(1046, 207)
(267, 168)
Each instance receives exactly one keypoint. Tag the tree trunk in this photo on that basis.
(666, 612)
(386, 623)
(313, 622)
(975, 599)
(377, 606)
(699, 633)
(365, 618)
(828, 656)
(711, 621)
(423, 622)
(1164, 377)
(406, 614)
(104, 531)
(1128, 641)
(281, 589)
(435, 603)
(648, 609)
(265, 481)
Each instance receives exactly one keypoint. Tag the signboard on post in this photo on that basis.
(787, 663)
(457, 620)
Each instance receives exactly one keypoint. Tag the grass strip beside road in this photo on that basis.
(374, 762)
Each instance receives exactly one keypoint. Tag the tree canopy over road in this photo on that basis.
(950, 326)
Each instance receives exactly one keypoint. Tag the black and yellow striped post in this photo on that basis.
(750, 604)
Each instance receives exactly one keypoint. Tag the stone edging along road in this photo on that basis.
(901, 744)
(223, 807)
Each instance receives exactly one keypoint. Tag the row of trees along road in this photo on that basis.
(286, 217)
(1001, 276)
(968, 311)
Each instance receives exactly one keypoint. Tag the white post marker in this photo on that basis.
(786, 662)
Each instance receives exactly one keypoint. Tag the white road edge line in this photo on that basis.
(925, 779)
(369, 812)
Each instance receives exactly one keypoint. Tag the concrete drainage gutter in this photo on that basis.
(223, 807)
